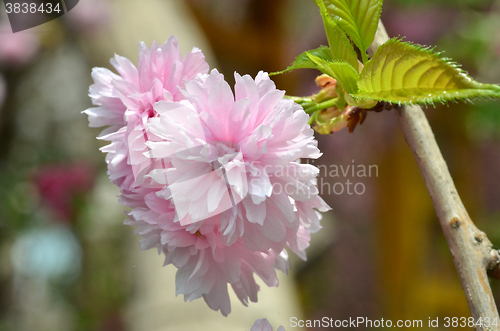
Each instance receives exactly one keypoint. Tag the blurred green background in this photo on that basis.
(68, 263)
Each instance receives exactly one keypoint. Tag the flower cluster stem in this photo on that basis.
(471, 250)
(310, 106)
(320, 106)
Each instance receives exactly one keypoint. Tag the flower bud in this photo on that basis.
(331, 120)
(328, 85)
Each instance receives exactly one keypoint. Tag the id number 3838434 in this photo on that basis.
(32, 8)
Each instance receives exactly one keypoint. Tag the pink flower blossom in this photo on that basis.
(255, 137)
(214, 178)
(264, 325)
(230, 195)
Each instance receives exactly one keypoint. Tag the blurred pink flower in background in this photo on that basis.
(264, 325)
(89, 16)
(421, 25)
(213, 177)
(3, 90)
(16, 49)
(59, 184)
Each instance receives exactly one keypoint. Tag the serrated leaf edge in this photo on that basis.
(431, 100)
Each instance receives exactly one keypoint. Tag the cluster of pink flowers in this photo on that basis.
(213, 178)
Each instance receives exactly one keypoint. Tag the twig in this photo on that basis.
(472, 252)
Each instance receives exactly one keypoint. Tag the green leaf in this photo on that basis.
(405, 73)
(340, 45)
(358, 18)
(342, 71)
(303, 61)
